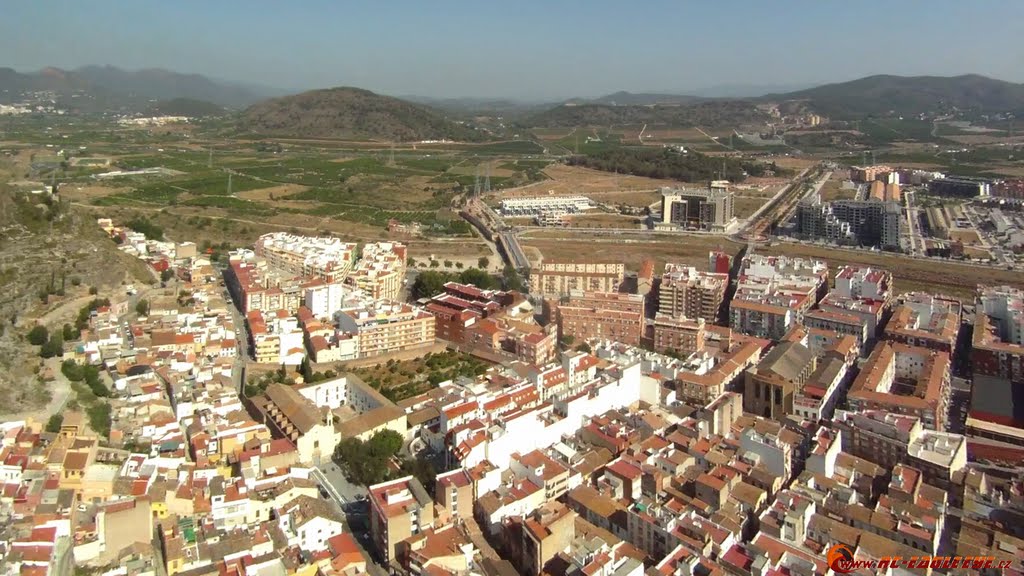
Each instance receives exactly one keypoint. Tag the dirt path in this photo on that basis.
(64, 310)
(60, 389)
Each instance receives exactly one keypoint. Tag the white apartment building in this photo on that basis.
(322, 257)
(534, 205)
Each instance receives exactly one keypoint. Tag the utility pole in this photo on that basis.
(229, 183)
(209, 160)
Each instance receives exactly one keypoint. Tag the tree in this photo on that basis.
(54, 423)
(511, 279)
(483, 263)
(142, 308)
(478, 278)
(53, 347)
(583, 347)
(367, 462)
(99, 418)
(429, 283)
(423, 470)
(91, 375)
(568, 340)
(93, 290)
(69, 333)
(72, 371)
(166, 275)
(306, 370)
(38, 335)
(385, 443)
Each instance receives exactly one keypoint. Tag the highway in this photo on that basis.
(510, 243)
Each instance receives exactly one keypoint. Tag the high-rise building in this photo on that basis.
(864, 222)
(327, 258)
(708, 208)
(685, 291)
(380, 273)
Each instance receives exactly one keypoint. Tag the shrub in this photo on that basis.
(38, 335)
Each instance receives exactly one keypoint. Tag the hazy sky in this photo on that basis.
(527, 49)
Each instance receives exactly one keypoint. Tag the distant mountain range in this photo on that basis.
(871, 96)
(907, 95)
(352, 113)
(94, 88)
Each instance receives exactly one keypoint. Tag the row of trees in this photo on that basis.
(85, 373)
(431, 282)
(667, 163)
(96, 408)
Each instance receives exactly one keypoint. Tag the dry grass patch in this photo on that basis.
(273, 193)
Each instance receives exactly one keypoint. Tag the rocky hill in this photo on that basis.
(107, 87)
(909, 95)
(51, 253)
(352, 113)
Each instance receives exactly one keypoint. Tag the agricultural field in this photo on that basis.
(219, 190)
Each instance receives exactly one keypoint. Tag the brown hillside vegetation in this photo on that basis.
(354, 114)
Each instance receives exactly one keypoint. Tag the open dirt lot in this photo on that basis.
(604, 220)
(745, 206)
(691, 250)
(599, 186)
